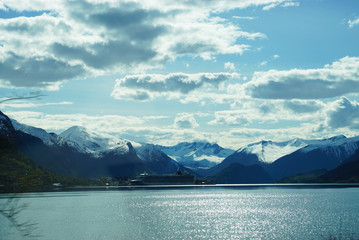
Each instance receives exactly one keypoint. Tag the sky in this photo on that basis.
(164, 72)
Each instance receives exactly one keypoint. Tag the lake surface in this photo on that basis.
(190, 213)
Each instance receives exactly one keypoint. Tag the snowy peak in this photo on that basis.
(349, 143)
(93, 142)
(147, 152)
(197, 154)
(47, 138)
(268, 151)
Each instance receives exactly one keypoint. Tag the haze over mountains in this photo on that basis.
(80, 152)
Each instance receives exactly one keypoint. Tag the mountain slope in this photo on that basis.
(292, 157)
(320, 154)
(91, 142)
(67, 157)
(261, 153)
(196, 155)
(348, 171)
(148, 157)
(155, 160)
(241, 174)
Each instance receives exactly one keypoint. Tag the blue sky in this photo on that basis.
(231, 72)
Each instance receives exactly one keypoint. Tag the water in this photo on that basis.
(191, 213)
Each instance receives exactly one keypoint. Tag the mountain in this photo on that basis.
(156, 160)
(80, 152)
(346, 172)
(7, 130)
(19, 173)
(112, 157)
(260, 153)
(101, 145)
(94, 143)
(318, 154)
(49, 157)
(283, 159)
(196, 155)
(47, 138)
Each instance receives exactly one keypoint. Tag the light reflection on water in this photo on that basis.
(201, 213)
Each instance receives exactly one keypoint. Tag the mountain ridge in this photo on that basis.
(78, 151)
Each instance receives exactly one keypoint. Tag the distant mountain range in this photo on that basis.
(283, 159)
(84, 153)
(80, 152)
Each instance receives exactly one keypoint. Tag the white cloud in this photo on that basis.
(149, 86)
(244, 17)
(282, 4)
(243, 136)
(2, 7)
(81, 38)
(230, 66)
(33, 5)
(343, 113)
(60, 122)
(231, 118)
(248, 111)
(353, 23)
(339, 78)
(128, 127)
(185, 120)
(304, 106)
(27, 104)
(275, 56)
(263, 63)
(270, 6)
(290, 4)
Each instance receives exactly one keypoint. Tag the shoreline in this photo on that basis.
(255, 185)
(197, 186)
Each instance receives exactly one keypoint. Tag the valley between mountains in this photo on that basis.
(79, 152)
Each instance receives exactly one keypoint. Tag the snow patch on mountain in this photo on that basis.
(146, 152)
(93, 142)
(350, 144)
(47, 138)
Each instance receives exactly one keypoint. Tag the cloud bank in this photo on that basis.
(185, 120)
(149, 86)
(353, 23)
(339, 78)
(343, 113)
(72, 39)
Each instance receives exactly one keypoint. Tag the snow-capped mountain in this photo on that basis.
(156, 160)
(80, 152)
(197, 155)
(349, 144)
(268, 151)
(318, 154)
(100, 145)
(46, 137)
(92, 142)
(283, 159)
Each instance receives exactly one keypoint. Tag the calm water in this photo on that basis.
(191, 213)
